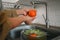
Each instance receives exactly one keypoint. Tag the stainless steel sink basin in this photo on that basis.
(50, 33)
(14, 33)
(56, 38)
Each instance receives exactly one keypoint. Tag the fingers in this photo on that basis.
(24, 13)
(21, 12)
(28, 18)
(33, 18)
(29, 21)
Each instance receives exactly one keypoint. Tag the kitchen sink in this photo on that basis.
(51, 34)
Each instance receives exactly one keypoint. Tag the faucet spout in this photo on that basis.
(46, 21)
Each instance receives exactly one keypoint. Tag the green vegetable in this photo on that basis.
(36, 31)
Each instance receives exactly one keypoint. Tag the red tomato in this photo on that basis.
(32, 13)
(33, 35)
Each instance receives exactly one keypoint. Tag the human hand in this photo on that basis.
(28, 18)
(21, 12)
(24, 13)
(22, 17)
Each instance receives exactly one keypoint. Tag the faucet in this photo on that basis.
(46, 21)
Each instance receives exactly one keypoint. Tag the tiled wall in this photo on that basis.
(41, 10)
(8, 5)
(54, 12)
(12, 1)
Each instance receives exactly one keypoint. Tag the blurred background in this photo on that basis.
(48, 14)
